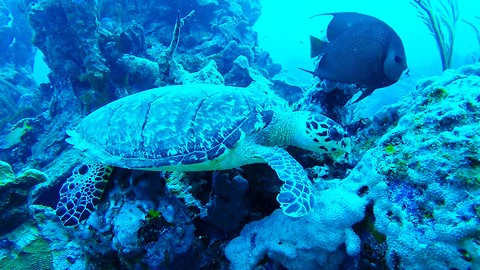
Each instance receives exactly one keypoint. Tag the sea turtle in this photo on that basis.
(197, 127)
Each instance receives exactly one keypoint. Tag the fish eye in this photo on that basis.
(398, 59)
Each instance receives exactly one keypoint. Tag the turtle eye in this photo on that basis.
(334, 134)
(398, 59)
(83, 169)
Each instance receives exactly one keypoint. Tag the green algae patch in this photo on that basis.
(30, 177)
(6, 174)
(390, 149)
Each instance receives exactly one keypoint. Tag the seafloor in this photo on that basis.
(407, 197)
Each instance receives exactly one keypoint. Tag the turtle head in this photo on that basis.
(322, 135)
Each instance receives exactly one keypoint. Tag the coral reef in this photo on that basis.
(25, 248)
(126, 226)
(20, 98)
(15, 45)
(5, 30)
(320, 240)
(14, 193)
(99, 51)
(226, 208)
(410, 203)
(406, 198)
(66, 32)
(432, 175)
(123, 53)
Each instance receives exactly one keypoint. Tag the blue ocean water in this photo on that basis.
(423, 58)
(239, 134)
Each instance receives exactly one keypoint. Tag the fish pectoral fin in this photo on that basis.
(317, 46)
(365, 93)
(309, 71)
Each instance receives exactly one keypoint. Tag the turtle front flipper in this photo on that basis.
(296, 196)
(80, 194)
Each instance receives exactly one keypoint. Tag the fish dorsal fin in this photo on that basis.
(342, 21)
(317, 46)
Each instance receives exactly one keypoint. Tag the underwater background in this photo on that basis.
(402, 78)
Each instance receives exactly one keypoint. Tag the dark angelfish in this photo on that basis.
(361, 50)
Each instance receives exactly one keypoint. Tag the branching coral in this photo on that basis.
(166, 62)
(441, 22)
(176, 33)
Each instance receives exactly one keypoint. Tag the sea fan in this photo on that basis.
(441, 21)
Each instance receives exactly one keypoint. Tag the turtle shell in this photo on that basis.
(173, 125)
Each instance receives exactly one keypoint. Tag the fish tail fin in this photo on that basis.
(317, 46)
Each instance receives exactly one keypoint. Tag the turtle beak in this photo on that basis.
(345, 147)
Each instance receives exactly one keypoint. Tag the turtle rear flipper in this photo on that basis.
(80, 194)
(296, 196)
